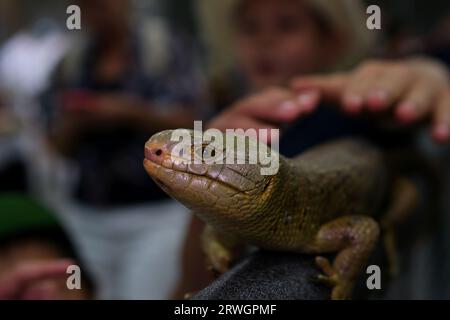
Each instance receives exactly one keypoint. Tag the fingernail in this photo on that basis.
(377, 99)
(406, 111)
(441, 132)
(287, 106)
(353, 103)
(306, 100)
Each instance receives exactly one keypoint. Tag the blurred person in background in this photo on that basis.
(124, 79)
(27, 59)
(440, 46)
(12, 167)
(35, 253)
(282, 53)
(403, 41)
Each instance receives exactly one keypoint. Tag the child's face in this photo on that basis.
(105, 17)
(276, 40)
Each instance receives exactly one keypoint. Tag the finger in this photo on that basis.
(42, 291)
(11, 286)
(388, 88)
(245, 123)
(308, 100)
(356, 90)
(330, 87)
(289, 110)
(441, 120)
(277, 105)
(273, 133)
(417, 103)
(234, 120)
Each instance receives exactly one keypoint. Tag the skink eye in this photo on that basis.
(213, 154)
(208, 152)
(199, 152)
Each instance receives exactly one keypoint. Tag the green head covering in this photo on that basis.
(19, 213)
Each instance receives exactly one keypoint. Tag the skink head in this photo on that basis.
(213, 176)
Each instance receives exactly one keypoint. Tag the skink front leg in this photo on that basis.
(353, 238)
(220, 250)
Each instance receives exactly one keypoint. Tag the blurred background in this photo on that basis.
(76, 107)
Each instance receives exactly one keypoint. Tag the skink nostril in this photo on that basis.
(154, 154)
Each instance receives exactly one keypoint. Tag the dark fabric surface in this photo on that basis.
(268, 275)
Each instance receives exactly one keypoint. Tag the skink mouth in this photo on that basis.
(153, 169)
(158, 172)
(162, 184)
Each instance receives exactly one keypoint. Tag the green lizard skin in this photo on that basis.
(318, 202)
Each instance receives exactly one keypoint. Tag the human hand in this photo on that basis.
(34, 280)
(412, 90)
(268, 109)
(106, 107)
